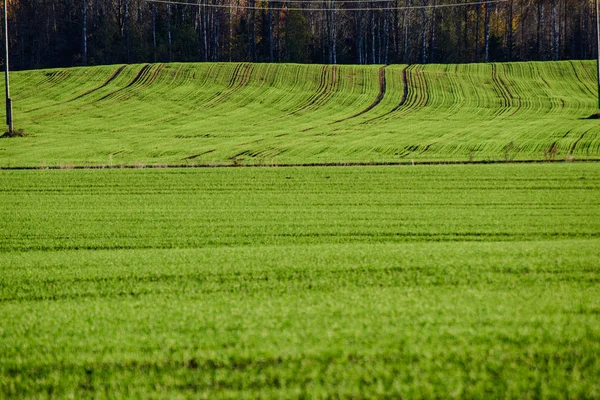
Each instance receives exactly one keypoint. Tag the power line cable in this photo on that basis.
(385, 8)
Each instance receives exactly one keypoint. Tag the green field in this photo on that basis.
(273, 114)
(300, 279)
(460, 281)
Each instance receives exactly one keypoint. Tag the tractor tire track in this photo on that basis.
(139, 77)
(144, 70)
(502, 90)
(320, 88)
(243, 81)
(327, 86)
(239, 79)
(232, 80)
(419, 97)
(380, 96)
(423, 98)
(115, 74)
(513, 98)
(106, 83)
(574, 145)
(403, 100)
(145, 77)
(34, 89)
(583, 83)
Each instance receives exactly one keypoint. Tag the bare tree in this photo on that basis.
(84, 33)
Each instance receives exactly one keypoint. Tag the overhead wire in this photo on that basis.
(270, 2)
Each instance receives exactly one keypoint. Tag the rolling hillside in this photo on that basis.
(226, 113)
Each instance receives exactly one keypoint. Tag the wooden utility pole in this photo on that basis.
(598, 46)
(9, 116)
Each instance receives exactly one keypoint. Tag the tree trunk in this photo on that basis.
(271, 58)
(432, 39)
(477, 31)
(522, 46)
(555, 29)
(334, 35)
(487, 32)
(127, 41)
(154, 30)
(406, 32)
(386, 36)
(509, 31)
(373, 60)
(540, 33)
(84, 34)
(424, 34)
(396, 32)
(169, 41)
(359, 44)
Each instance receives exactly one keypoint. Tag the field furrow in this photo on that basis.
(302, 114)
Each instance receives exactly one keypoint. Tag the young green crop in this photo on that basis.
(227, 113)
(416, 282)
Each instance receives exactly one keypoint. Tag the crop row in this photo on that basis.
(456, 281)
(298, 114)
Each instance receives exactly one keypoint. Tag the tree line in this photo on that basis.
(57, 33)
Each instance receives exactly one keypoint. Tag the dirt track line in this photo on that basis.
(242, 76)
(419, 96)
(405, 94)
(423, 98)
(232, 80)
(329, 89)
(302, 165)
(574, 145)
(583, 83)
(380, 96)
(135, 79)
(109, 80)
(513, 98)
(311, 99)
(145, 77)
(326, 89)
(198, 155)
(505, 95)
(402, 101)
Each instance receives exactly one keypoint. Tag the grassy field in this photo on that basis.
(191, 114)
(465, 281)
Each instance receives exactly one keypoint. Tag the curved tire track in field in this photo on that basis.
(402, 100)
(416, 92)
(146, 76)
(575, 143)
(583, 83)
(244, 79)
(106, 83)
(405, 94)
(115, 74)
(230, 85)
(423, 97)
(239, 79)
(327, 87)
(514, 100)
(503, 92)
(33, 90)
(380, 96)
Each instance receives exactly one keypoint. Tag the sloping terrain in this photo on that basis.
(227, 113)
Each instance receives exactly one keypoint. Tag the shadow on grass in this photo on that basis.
(14, 134)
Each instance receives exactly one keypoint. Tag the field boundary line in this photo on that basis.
(303, 165)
